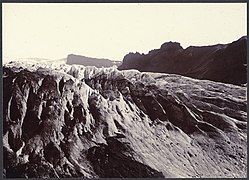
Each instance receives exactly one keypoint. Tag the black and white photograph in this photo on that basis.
(124, 90)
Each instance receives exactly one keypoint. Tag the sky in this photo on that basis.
(111, 30)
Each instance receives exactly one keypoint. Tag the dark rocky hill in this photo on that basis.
(222, 62)
(88, 61)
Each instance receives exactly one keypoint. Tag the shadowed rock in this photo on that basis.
(222, 62)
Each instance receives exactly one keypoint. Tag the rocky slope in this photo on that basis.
(222, 62)
(88, 61)
(72, 121)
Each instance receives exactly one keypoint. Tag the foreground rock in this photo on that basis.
(222, 62)
(72, 121)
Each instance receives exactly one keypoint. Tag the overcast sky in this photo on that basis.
(112, 30)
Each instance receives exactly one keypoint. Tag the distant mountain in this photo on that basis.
(88, 61)
(222, 62)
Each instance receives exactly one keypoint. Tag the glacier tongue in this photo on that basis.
(74, 121)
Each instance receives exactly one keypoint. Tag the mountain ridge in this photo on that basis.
(221, 62)
(90, 61)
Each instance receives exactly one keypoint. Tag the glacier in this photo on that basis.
(64, 120)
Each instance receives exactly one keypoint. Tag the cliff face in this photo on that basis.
(222, 63)
(73, 121)
(88, 61)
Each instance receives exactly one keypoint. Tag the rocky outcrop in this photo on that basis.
(73, 121)
(88, 61)
(222, 62)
